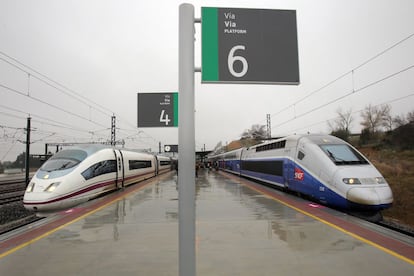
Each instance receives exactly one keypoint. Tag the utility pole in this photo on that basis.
(113, 130)
(269, 127)
(27, 163)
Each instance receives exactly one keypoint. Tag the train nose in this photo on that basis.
(370, 195)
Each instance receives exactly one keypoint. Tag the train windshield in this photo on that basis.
(64, 160)
(343, 155)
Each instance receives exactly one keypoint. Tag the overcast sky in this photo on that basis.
(105, 52)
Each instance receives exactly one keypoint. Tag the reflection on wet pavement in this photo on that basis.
(238, 232)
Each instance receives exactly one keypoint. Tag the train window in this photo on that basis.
(139, 164)
(64, 160)
(301, 155)
(79, 155)
(273, 167)
(99, 168)
(343, 155)
(275, 145)
(165, 163)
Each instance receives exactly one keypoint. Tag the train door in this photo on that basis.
(120, 171)
(303, 180)
(156, 165)
(295, 174)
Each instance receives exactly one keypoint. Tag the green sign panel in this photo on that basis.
(157, 109)
(249, 45)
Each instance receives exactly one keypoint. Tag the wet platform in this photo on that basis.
(242, 228)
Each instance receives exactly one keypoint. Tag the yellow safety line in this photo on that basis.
(393, 253)
(14, 249)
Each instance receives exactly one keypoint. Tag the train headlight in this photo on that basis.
(52, 187)
(351, 181)
(30, 187)
(380, 180)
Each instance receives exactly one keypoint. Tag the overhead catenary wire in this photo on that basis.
(10, 148)
(47, 80)
(346, 95)
(352, 71)
(341, 77)
(58, 86)
(345, 74)
(32, 73)
(48, 104)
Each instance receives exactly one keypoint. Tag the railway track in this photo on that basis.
(398, 227)
(16, 224)
(12, 213)
(11, 190)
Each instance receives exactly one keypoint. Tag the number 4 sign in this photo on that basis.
(157, 109)
(249, 46)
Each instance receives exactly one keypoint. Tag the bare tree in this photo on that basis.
(256, 132)
(342, 122)
(399, 120)
(410, 116)
(388, 120)
(373, 117)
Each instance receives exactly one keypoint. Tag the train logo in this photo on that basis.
(299, 175)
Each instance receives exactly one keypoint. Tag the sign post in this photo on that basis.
(238, 46)
(186, 142)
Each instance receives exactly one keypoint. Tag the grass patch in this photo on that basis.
(398, 169)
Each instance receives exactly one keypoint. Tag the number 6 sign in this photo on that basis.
(249, 46)
(232, 59)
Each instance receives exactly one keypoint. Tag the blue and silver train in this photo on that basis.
(321, 167)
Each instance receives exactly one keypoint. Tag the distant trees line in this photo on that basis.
(379, 128)
(19, 163)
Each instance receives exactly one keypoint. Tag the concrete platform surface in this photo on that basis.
(239, 231)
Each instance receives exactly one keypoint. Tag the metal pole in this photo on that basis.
(113, 129)
(27, 165)
(186, 142)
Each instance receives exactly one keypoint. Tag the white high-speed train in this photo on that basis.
(322, 167)
(76, 175)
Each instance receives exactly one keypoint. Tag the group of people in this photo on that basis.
(198, 166)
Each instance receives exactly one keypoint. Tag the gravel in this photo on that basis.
(14, 214)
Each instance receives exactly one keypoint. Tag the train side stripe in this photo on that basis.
(85, 190)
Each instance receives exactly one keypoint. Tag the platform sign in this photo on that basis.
(249, 46)
(158, 109)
